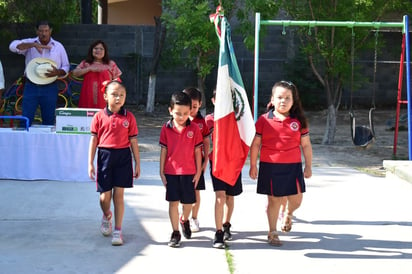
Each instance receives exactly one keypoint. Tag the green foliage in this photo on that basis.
(58, 12)
(329, 48)
(190, 35)
(310, 90)
(245, 16)
(191, 39)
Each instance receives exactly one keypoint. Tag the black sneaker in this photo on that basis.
(175, 239)
(218, 241)
(186, 228)
(226, 230)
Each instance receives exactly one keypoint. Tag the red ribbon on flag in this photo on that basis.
(215, 18)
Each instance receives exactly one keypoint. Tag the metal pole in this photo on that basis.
(349, 24)
(399, 97)
(408, 85)
(256, 68)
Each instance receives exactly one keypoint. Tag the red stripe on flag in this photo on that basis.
(230, 152)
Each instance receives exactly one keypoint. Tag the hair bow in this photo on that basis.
(107, 82)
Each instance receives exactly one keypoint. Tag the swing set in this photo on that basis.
(362, 136)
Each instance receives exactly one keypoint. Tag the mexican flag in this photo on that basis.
(234, 127)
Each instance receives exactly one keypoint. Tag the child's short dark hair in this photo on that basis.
(106, 84)
(193, 93)
(180, 98)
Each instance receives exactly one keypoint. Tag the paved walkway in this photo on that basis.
(349, 222)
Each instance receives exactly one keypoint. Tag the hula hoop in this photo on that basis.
(74, 99)
(66, 102)
(19, 89)
(3, 106)
(78, 80)
(18, 107)
(61, 91)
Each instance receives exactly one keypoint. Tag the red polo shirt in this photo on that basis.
(180, 159)
(280, 139)
(114, 130)
(200, 121)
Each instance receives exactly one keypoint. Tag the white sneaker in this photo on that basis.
(117, 238)
(106, 227)
(194, 225)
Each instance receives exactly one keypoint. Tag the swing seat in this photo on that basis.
(362, 136)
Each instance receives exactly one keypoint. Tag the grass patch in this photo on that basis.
(229, 260)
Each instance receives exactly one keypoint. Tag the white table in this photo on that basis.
(26, 155)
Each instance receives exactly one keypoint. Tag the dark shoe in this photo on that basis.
(226, 230)
(186, 228)
(218, 241)
(175, 239)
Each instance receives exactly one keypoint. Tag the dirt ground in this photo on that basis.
(341, 153)
(344, 153)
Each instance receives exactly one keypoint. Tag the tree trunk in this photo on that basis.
(160, 35)
(151, 93)
(330, 130)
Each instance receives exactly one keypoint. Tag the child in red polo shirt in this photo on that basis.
(224, 196)
(282, 134)
(180, 163)
(197, 118)
(114, 132)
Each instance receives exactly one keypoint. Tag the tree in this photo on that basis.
(160, 34)
(26, 11)
(56, 11)
(328, 49)
(191, 38)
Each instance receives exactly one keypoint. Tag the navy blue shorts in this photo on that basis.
(219, 185)
(180, 188)
(280, 179)
(114, 169)
(201, 184)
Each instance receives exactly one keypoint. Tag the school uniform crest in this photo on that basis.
(190, 134)
(125, 123)
(294, 126)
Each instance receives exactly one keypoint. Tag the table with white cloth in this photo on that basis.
(26, 155)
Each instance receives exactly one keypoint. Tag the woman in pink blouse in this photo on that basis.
(95, 69)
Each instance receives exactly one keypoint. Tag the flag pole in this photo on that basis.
(256, 68)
